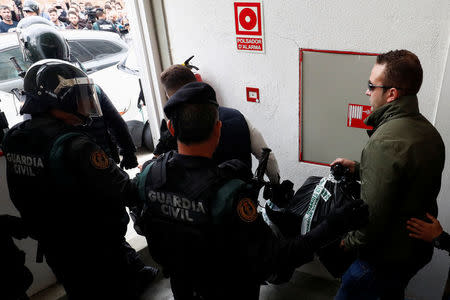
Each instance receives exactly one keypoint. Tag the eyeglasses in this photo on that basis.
(371, 86)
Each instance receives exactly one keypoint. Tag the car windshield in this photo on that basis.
(131, 61)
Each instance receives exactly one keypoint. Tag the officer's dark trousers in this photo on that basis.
(182, 289)
(93, 272)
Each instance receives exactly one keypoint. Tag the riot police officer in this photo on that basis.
(69, 193)
(39, 41)
(201, 220)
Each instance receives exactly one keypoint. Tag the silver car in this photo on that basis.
(96, 50)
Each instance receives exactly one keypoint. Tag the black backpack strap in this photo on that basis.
(158, 170)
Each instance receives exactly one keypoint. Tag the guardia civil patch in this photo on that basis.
(246, 210)
(99, 159)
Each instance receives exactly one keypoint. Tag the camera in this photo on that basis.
(123, 29)
(18, 3)
(91, 14)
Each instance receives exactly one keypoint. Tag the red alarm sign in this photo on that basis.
(357, 114)
(247, 16)
(252, 94)
(249, 26)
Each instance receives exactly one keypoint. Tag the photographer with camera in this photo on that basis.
(16, 10)
(61, 8)
(91, 13)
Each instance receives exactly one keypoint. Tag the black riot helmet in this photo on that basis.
(40, 41)
(57, 84)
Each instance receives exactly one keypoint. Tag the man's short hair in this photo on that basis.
(52, 10)
(72, 12)
(99, 13)
(194, 123)
(176, 76)
(75, 9)
(403, 71)
(2, 7)
(88, 4)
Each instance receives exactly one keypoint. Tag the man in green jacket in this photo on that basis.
(400, 174)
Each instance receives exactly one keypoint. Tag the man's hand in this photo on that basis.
(423, 230)
(350, 164)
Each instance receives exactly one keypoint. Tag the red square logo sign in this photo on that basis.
(252, 94)
(247, 17)
(357, 114)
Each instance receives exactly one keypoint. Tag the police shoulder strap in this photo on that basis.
(159, 170)
(224, 200)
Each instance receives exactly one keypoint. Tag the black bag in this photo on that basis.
(311, 204)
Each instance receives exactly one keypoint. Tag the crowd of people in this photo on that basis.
(112, 16)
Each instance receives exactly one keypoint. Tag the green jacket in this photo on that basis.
(400, 172)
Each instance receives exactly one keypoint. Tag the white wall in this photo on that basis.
(206, 29)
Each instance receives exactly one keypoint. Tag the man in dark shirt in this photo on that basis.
(75, 22)
(6, 23)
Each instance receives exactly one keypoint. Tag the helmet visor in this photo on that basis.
(83, 92)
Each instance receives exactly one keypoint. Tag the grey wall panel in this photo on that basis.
(330, 81)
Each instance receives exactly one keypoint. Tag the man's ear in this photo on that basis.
(393, 94)
(171, 129)
(218, 128)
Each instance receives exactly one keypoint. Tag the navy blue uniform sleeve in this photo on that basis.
(98, 173)
(117, 126)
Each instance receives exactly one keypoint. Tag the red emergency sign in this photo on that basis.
(252, 94)
(249, 26)
(252, 44)
(247, 17)
(357, 114)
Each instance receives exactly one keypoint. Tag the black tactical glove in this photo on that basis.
(280, 194)
(349, 217)
(129, 161)
(138, 220)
